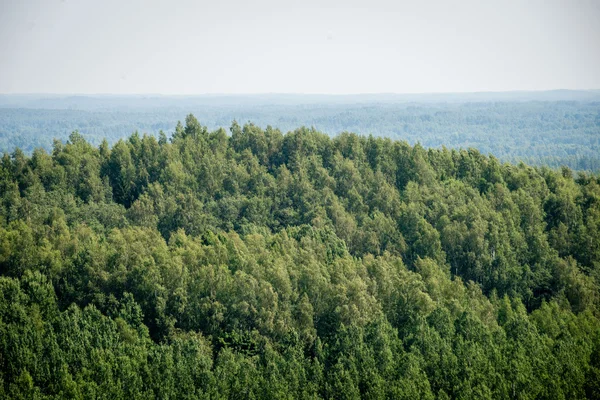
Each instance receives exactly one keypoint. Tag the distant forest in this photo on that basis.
(552, 129)
(251, 264)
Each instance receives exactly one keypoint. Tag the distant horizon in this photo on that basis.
(292, 93)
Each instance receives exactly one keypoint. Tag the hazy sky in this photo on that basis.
(325, 46)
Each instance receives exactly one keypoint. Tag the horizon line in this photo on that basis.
(299, 93)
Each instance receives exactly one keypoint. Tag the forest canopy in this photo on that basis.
(542, 129)
(257, 264)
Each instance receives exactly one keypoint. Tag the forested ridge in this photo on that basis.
(257, 264)
(551, 133)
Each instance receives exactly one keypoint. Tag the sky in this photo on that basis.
(279, 46)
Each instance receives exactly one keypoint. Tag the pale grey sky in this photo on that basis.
(309, 46)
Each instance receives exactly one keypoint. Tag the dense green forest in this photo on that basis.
(550, 132)
(254, 264)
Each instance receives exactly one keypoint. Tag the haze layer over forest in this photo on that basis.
(551, 128)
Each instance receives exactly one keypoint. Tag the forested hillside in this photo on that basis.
(256, 264)
(550, 132)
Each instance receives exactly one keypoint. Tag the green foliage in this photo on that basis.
(264, 265)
